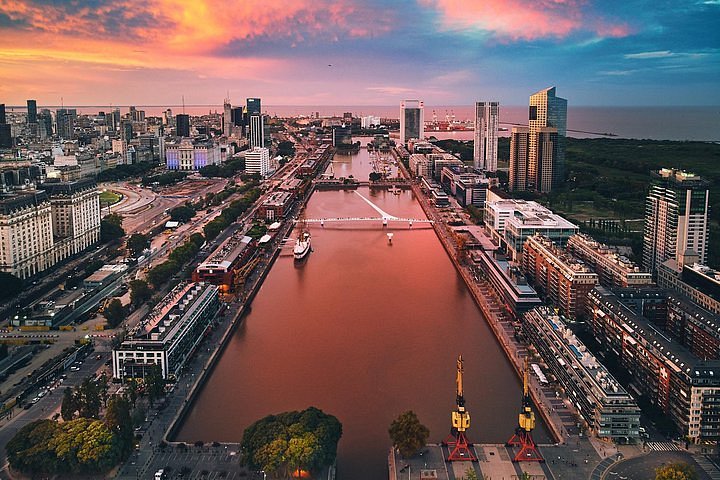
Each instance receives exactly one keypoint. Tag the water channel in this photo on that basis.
(364, 330)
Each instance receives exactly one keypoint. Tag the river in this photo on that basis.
(363, 330)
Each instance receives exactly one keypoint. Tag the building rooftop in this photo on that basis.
(639, 328)
(227, 252)
(680, 177)
(567, 260)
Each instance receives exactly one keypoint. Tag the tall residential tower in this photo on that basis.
(547, 123)
(676, 219)
(486, 135)
(412, 121)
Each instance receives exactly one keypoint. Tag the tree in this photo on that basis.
(12, 285)
(676, 471)
(111, 228)
(119, 422)
(183, 214)
(69, 405)
(408, 434)
(154, 383)
(139, 292)
(89, 395)
(137, 243)
(114, 312)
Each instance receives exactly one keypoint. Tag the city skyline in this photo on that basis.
(350, 52)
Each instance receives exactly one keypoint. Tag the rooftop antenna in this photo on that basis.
(183, 102)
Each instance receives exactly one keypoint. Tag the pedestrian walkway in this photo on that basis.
(708, 467)
(663, 446)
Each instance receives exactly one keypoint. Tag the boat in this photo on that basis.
(394, 190)
(302, 245)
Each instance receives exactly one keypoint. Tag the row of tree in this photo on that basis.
(231, 213)
(161, 273)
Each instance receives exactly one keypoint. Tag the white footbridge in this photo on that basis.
(385, 217)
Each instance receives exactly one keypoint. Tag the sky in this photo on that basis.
(359, 52)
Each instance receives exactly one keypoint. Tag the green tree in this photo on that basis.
(137, 243)
(470, 474)
(139, 292)
(676, 471)
(89, 395)
(114, 312)
(408, 434)
(69, 405)
(12, 285)
(111, 228)
(183, 213)
(154, 383)
(119, 422)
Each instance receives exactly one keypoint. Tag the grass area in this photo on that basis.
(109, 198)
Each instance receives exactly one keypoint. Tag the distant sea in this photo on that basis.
(656, 123)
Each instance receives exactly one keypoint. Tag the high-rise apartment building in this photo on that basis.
(676, 219)
(182, 125)
(32, 111)
(257, 160)
(257, 130)
(487, 116)
(412, 121)
(547, 125)
(614, 270)
(519, 140)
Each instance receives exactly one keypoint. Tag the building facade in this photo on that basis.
(561, 279)
(412, 120)
(547, 126)
(487, 117)
(676, 218)
(190, 155)
(663, 371)
(614, 270)
(170, 334)
(699, 283)
(608, 410)
(257, 160)
(519, 143)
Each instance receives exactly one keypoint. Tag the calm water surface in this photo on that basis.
(363, 330)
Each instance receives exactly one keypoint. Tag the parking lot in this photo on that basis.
(207, 463)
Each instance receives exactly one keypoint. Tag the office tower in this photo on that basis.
(31, 111)
(257, 160)
(5, 136)
(227, 118)
(519, 138)
(182, 125)
(412, 122)
(168, 117)
(236, 116)
(45, 129)
(137, 115)
(253, 106)
(486, 135)
(546, 153)
(114, 122)
(676, 219)
(546, 111)
(347, 118)
(126, 131)
(2, 113)
(342, 137)
(257, 131)
(65, 121)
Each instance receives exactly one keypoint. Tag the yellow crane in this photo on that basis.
(460, 419)
(526, 424)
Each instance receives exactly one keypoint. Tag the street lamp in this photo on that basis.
(264, 474)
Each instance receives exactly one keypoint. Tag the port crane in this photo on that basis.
(460, 423)
(526, 424)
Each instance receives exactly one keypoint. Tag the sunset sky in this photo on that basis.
(359, 52)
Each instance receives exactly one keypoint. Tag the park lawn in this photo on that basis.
(109, 198)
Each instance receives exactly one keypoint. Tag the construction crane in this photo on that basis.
(460, 423)
(526, 424)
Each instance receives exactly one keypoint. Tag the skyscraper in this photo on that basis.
(31, 111)
(519, 139)
(257, 131)
(65, 121)
(182, 125)
(486, 135)
(227, 118)
(676, 218)
(253, 106)
(546, 111)
(5, 136)
(412, 122)
(2, 113)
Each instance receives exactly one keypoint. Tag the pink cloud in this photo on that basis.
(523, 19)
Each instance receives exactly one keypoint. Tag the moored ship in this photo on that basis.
(302, 246)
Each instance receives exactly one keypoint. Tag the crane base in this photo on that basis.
(461, 451)
(528, 449)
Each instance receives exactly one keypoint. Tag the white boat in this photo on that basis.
(302, 245)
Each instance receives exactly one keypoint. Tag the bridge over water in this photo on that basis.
(384, 217)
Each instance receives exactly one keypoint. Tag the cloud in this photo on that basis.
(523, 19)
(393, 91)
(656, 54)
